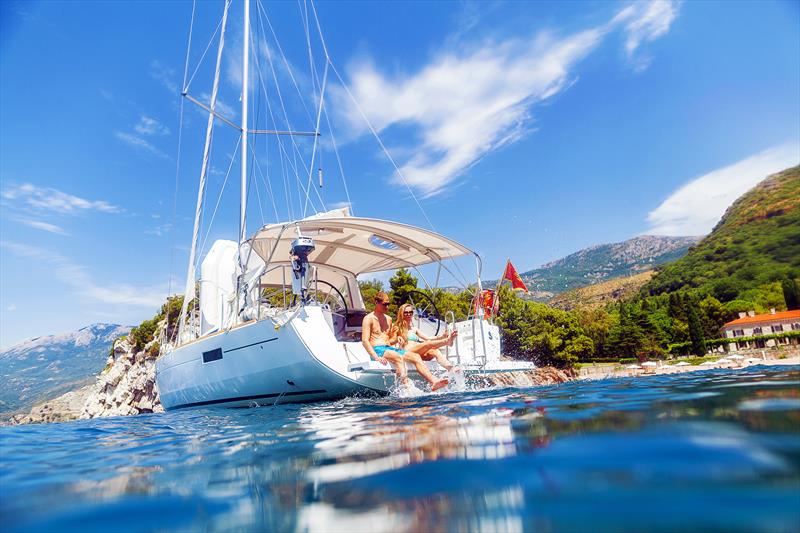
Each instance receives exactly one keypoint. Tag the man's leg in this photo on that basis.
(399, 366)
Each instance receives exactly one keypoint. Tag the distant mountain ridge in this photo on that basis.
(603, 262)
(44, 367)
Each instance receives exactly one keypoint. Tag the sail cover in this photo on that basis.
(356, 245)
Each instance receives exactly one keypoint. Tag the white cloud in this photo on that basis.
(150, 126)
(164, 75)
(470, 101)
(44, 226)
(467, 105)
(140, 143)
(55, 201)
(159, 230)
(11, 308)
(340, 205)
(646, 21)
(696, 207)
(77, 277)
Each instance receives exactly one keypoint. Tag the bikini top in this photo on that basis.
(413, 336)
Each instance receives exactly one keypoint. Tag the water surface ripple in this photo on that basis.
(714, 450)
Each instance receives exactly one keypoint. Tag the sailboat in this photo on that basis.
(278, 314)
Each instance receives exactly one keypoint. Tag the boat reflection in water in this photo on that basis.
(713, 450)
(399, 444)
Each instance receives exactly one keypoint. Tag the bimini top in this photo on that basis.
(354, 244)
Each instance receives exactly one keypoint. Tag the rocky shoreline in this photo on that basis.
(127, 387)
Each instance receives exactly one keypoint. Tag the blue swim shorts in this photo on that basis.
(380, 349)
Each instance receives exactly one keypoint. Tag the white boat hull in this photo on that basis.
(302, 361)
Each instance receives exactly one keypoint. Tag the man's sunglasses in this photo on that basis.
(384, 303)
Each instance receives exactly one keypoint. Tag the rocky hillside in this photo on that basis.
(126, 386)
(600, 294)
(753, 248)
(604, 262)
(44, 367)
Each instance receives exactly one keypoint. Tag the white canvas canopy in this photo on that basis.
(352, 245)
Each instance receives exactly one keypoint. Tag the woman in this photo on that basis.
(412, 339)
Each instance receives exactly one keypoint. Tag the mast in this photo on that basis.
(245, 88)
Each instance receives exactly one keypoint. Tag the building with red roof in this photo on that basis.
(752, 325)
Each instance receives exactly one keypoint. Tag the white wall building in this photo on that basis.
(752, 325)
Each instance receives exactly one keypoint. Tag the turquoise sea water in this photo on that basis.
(716, 450)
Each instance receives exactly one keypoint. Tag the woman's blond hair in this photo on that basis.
(400, 327)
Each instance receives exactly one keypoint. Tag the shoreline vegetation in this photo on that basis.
(750, 261)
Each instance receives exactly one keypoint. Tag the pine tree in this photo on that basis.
(401, 284)
(791, 294)
(626, 336)
(695, 329)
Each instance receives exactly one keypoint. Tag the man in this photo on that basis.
(375, 336)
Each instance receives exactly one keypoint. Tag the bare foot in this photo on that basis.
(439, 384)
(452, 338)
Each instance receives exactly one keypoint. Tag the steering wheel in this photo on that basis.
(425, 308)
(333, 300)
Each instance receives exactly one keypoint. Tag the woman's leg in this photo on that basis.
(415, 359)
(426, 346)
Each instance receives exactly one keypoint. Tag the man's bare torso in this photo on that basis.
(379, 329)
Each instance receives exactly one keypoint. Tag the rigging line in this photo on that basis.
(319, 93)
(314, 77)
(389, 156)
(285, 61)
(258, 193)
(288, 124)
(338, 160)
(279, 140)
(463, 281)
(190, 274)
(319, 31)
(383, 146)
(200, 61)
(283, 105)
(316, 128)
(325, 110)
(252, 145)
(175, 200)
(269, 188)
(178, 160)
(286, 158)
(219, 198)
(375, 133)
(189, 46)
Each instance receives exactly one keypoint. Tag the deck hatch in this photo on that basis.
(213, 355)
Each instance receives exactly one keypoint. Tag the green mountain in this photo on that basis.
(604, 262)
(751, 250)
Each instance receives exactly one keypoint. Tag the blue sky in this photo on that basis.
(525, 129)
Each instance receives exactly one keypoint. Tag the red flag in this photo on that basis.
(516, 281)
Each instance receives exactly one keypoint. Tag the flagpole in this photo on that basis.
(496, 303)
